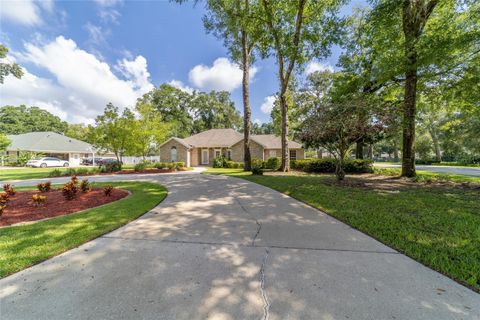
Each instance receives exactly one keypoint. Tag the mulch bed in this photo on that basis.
(21, 209)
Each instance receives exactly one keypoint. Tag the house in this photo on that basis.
(50, 144)
(202, 148)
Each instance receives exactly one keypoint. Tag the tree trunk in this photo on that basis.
(320, 153)
(370, 152)
(395, 150)
(414, 18)
(246, 104)
(359, 150)
(436, 144)
(339, 170)
(409, 112)
(285, 153)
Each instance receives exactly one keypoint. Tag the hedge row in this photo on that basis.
(327, 165)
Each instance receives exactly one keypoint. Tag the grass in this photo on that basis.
(437, 226)
(25, 173)
(24, 246)
(429, 176)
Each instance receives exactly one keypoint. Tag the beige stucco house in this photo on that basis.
(200, 149)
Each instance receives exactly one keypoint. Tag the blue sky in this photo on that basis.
(80, 55)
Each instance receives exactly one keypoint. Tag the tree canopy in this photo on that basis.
(23, 119)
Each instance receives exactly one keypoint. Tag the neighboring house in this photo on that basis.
(202, 148)
(50, 144)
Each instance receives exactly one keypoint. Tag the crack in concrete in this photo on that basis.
(245, 245)
(266, 303)
(259, 225)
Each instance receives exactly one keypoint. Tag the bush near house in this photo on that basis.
(272, 163)
(327, 165)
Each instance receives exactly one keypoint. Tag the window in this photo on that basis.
(173, 154)
(293, 154)
(272, 153)
(229, 154)
(218, 153)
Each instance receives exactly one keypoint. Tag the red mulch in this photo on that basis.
(21, 209)
(126, 171)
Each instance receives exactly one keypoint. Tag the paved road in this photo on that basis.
(443, 169)
(225, 248)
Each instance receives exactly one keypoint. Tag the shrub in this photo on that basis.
(69, 190)
(55, 173)
(140, 166)
(94, 170)
(220, 162)
(327, 165)
(38, 200)
(257, 167)
(4, 198)
(8, 188)
(69, 172)
(81, 171)
(85, 186)
(159, 165)
(107, 190)
(359, 166)
(179, 165)
(74, 179)
(44, 186)
(273, 163)
(111, 167)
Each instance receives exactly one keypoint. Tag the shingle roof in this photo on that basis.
(47, 142)
(271, 141)
(214, 138)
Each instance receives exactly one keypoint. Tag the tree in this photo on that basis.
(435, 40)
(148, 131)
(415, 15)
(174, 106)
(8, 68)
(79, 131)
(214, 110)
(237, 24)
(113, 131)
(4, 142)
(22, 119)
(297, 31)
(336, 121)
(264, 128)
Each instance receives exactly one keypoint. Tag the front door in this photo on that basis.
(204, 156)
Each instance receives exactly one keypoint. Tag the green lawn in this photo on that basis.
(438, 226)
(429, 176)
(23, 246)
(25, 173)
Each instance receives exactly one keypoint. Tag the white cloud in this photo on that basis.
(82, 84)
(267, 104)
(257, 121)
(24, 12)
(106, 10)
(223, 75)
(180, 85)
(314, 66)
(96, 33)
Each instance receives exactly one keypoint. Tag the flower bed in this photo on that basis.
(21, 207)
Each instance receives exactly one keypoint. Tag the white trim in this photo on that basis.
(229, 150)
(215, 152)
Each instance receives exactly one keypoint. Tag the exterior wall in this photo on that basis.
(237, 152)
(195, 157)
(266, 153)
(256, 151)
(165, 155)
(300, 154)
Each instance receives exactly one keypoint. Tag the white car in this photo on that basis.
(47, 162)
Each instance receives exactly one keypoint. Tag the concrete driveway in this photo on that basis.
(225, 248)
(441, 169)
